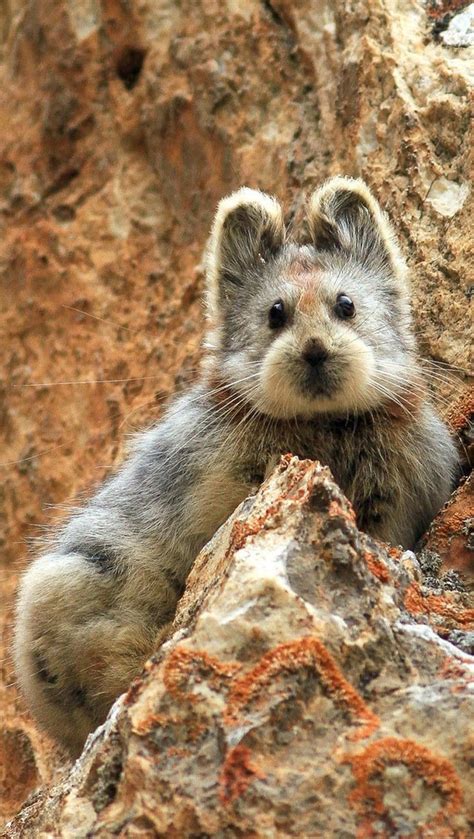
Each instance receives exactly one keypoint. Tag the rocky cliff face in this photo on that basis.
(122, 124)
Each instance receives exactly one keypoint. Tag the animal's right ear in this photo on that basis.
(248, 228)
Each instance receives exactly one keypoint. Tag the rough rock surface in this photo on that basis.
(451, 536)
(122, 124)
(303, 693)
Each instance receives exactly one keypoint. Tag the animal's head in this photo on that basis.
(300, 329)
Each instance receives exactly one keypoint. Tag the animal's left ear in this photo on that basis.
(344, 216)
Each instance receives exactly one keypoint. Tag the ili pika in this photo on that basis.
(309, 350)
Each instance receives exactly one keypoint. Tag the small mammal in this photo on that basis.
(309, 350)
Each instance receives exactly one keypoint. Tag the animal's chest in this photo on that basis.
(357, 458)
(234, 474)
(220, 490)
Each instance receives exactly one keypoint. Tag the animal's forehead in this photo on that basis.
(308, 278)
(303, 272)
(305, 277)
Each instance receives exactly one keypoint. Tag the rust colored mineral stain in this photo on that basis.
(290, 658)
(368, 796)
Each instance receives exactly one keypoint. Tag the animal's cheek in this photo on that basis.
(280, 394)
(358, 367)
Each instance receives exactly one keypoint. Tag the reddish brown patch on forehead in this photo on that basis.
(299, 266)
(307, 297)
(306, 277)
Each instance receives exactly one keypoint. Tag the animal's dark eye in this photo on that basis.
(344, 307)
(277, 315)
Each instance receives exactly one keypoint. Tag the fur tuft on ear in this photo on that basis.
(343, 215)
(248, 228)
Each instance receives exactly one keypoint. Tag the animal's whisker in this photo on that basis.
(86, 382)
(33, 456)
(97, 318)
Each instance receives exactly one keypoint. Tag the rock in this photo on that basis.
(460, 32)
(20, 776)
(449, 543)
(304, 692)
(461, 420)
(451, 536)
(122, 125)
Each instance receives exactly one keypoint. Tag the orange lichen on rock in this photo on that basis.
(242, 530)
(291, 658)
(449, 535)
(304, 468)
(438, 604)
(461, 413)
(237, 773)
(452, 517)
(285, 461)
(151, 721)
(455, 670)
(336, 510)
(369, 767)
(182, 664)
(377, 567)
(440, 8)
(134, 689)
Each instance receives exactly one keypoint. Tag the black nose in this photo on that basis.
(315, 353)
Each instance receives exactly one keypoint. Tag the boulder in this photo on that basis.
(304, 691)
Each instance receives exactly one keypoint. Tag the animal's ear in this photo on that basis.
(344, 216)
(248, 228)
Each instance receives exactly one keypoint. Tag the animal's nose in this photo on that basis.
(314, 352)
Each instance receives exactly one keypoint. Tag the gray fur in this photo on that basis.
(93, 608)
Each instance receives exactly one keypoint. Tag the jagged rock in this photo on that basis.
(451, 536)
(303, 693)
(449, 544)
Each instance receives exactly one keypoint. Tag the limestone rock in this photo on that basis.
(451, 535)
(122, 124)
(303, 693)
(450, 540)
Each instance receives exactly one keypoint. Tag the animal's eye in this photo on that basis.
(277, 315)
(344, 307)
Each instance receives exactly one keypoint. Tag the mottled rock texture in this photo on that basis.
(303, 693)
(122, 124)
